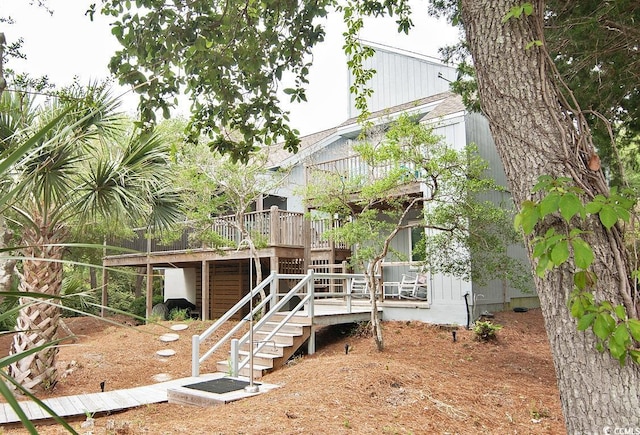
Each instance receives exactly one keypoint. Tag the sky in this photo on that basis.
(67, 44)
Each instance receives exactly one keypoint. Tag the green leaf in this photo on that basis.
(539, 248)
(560, 252)
(602, 326)
(635, 355)
(582, 253)
(527, 8)
(617, 351)
(583, 279)
(634, 328)
(621, 335)
(542, 266)
(569, 205)
(621, 312)
(549, 204)
(535, 42)
(577, 310)
(608, 216)
(529, 217)
(586, 321)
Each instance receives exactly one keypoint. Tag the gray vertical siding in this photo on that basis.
(401, 78)
(478, 132)
(493, 293)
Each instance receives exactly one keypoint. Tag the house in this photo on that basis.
(404, 83)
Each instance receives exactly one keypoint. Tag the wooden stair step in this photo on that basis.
(280, 337)
(297, 320)
(258, 369)
(276, 349)
(297, 328)
(262, 359)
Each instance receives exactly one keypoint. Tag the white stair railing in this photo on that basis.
(305, 280)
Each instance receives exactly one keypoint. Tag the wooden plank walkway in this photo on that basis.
(95, 403)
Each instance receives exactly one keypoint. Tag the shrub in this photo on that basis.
(179, 314)
(137, 306)
(76, 294)
(485, 330)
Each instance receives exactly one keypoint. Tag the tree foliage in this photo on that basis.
(375, 205)
(228, 56)
(595, 44)
(73, 171)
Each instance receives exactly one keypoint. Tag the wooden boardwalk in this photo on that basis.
(96, 403)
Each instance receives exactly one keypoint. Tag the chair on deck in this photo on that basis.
(358, 288)
(413, 287)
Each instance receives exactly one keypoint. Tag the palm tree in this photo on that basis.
(79, 172)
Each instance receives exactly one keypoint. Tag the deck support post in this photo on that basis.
(205, 290)
(105, 294)
(149, 289)
(104, 301)
(149, 299)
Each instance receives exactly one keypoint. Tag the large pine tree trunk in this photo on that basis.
(37, 323)
(535, 134)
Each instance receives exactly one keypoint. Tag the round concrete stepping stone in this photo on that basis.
(179, 327)
(162, 377)
(169, 337)
(166, 352)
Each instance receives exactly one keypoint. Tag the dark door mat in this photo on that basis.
(220, 385)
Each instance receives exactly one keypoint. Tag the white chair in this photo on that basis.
(413, 287)
(358, 288)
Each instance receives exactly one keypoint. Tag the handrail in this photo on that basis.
(305, 279)
(283, 299)
(232, 332)
(197, 339)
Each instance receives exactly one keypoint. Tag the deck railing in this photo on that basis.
(273, 227)
(349, 168)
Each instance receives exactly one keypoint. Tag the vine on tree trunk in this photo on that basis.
(616, 327)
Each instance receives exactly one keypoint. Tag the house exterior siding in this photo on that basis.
(402, 77)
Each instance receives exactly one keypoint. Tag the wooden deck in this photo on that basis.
(109, 401)
(335, 312)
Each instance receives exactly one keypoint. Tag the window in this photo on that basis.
(416, 241)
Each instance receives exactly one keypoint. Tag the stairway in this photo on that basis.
(277, 351)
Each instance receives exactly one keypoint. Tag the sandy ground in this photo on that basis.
(423, 383)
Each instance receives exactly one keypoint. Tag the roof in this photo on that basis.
(433, 107)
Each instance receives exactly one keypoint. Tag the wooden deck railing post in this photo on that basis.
(274, 225)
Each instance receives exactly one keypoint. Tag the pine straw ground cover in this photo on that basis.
(423, 383)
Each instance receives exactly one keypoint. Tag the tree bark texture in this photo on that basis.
(538, 133)
(7, 265)
(38, 320)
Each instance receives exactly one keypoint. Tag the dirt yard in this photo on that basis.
(423, 383)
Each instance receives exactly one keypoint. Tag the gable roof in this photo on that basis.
(429, 108)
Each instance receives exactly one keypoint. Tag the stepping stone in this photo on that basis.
(166, 352)
(169, 337)
(179, 327)
(162, 377)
